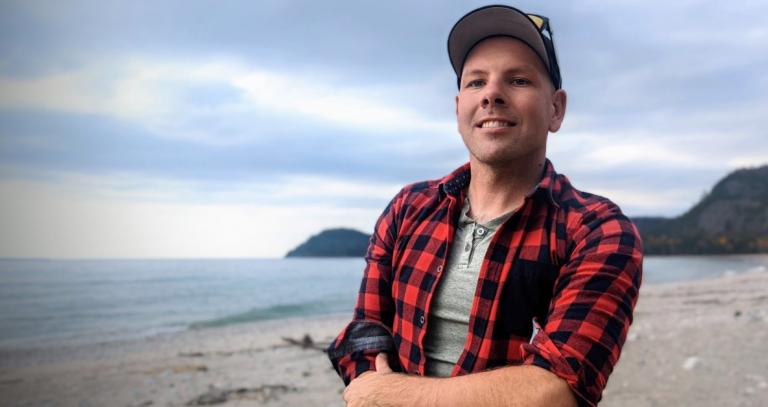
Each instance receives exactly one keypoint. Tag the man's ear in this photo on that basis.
(457, 105)
(559, 101)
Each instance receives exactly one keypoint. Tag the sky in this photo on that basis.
(200, 129)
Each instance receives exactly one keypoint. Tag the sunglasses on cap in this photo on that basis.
(542, 23)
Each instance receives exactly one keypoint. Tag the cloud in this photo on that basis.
(356, 108)
(156, 95)
(639, 149)
(747, 161)
(604, 153)
(653, 202)
(48, 142)
(285, 191)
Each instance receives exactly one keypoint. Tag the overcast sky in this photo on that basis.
(239, 128)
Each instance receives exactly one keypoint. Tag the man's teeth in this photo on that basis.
(495, 123)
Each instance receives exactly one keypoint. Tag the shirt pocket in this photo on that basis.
(526, 294)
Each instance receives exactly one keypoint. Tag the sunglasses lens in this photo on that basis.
(537, 20)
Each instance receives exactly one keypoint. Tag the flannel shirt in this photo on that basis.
(566, 268)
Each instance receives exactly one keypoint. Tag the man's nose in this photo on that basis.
(493, 97)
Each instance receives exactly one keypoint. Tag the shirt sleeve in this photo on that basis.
(591, 309)
(353, 352)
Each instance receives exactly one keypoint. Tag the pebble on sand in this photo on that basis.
(691, 363)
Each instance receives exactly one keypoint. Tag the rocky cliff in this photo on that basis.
(732, 218)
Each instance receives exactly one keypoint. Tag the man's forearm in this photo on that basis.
(507, 386)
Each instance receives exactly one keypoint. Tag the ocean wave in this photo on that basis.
(279, 311)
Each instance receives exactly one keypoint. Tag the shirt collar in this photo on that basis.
(492, 224)
(457, 181)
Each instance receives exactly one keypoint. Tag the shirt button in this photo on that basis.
(421, 320)
(480, 231)
(439, 268)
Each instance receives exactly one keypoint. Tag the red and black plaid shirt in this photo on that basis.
(568, 260)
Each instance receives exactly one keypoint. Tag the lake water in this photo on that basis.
(69, 301)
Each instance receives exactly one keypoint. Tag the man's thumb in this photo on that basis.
(382, 366)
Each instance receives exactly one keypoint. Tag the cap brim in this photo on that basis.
(492, 21)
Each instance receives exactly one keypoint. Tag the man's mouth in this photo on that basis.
(493, 124)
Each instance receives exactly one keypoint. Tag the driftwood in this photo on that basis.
(262, 394)
(306, 343)
(219, 353)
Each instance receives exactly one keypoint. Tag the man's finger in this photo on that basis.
(345, 396)
(382, 366)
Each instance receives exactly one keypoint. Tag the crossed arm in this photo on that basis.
(498, 387)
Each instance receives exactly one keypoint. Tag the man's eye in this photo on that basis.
(520, 82)
(475, 83)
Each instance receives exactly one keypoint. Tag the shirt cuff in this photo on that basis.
(354, 352)
(544, 353)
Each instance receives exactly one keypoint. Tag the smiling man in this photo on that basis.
(499, 284)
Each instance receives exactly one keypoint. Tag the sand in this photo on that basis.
(701, 343)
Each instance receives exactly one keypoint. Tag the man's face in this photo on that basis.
(506, 104)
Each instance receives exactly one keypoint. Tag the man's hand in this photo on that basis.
(510, 385)
(378, 388)
(365, 389)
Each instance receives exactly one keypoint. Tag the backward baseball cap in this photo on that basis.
(499, 20)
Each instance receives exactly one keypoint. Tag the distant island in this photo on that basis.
(731, 219)
(338, 242)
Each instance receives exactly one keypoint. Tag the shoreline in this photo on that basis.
(35, 347)
(99, 319)
(699, 342)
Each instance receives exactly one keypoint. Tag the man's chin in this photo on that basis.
(496, 160)
(504, 159)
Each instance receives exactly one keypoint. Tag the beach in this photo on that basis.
(700, 342)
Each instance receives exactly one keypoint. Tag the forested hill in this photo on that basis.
(333, 243)
(732, 218)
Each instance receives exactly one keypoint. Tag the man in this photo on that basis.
(499, 284)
